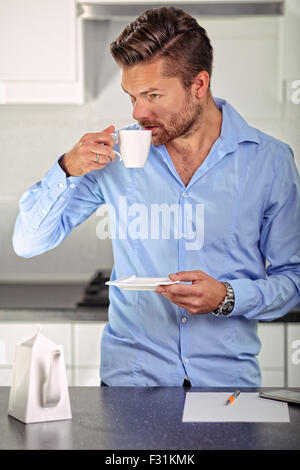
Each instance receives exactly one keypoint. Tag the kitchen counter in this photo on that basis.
(141, 418)
(58, 302)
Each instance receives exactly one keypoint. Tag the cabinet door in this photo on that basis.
(86, 354)
(271, 357)
(40, 51)
(293, 354)
(12, 333)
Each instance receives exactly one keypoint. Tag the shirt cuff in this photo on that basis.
(245, 296)
(58, 182)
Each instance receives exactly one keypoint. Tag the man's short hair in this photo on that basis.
(168, 33)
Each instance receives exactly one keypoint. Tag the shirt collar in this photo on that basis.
(234, 128)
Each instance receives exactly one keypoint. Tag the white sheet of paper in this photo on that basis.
(249, 407)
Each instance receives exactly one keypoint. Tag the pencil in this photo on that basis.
(232, 397)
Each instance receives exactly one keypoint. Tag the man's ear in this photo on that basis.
(200, 84)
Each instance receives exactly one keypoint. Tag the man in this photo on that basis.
(237, 193)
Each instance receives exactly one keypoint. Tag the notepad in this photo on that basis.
(249, 407)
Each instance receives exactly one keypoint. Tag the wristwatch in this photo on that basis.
(227, 305)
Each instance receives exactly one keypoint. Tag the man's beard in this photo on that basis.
(181, 123)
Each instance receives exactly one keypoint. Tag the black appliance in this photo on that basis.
(96, 292)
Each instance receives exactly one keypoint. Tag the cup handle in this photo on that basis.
(119, 155)
(114, 135)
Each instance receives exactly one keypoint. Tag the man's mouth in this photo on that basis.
(151, 128)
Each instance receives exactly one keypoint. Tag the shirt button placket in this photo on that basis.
(184, 321)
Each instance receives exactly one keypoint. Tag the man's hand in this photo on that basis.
(203, 296)
(83, 157)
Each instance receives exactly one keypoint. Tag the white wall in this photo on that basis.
(253, 56)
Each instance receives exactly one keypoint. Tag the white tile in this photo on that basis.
(245, 75)
(245, 68)
(76, 259)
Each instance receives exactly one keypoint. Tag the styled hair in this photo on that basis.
(168, 33)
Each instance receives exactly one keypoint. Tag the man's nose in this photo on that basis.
(141, 110)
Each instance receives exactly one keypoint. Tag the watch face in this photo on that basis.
(227, 308)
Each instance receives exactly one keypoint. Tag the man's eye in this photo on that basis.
(155, 96)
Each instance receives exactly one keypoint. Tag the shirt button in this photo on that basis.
(183, 320)
(186, 361)
(72, 185)
(61, 185)
(184, 194)
(183, 235)
(44, 211)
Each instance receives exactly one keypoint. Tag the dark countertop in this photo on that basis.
(58, 302)
(142, 418)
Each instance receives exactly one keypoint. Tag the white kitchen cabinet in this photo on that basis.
(86, 358)
(293, 354)
(13, 333)
(86, 377)
(41, 52)
(86, 343)
(6, 374)
(272, 354)
(280, 354)
(81, 342)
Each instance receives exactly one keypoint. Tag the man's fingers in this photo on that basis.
(104, 137)
(191, 306)
(101, 150)
(171, 299)
(96, 166)
(182, 290)
(103, 160)
(189, 276)
(96, 148)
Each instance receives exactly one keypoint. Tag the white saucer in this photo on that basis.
(140, 283)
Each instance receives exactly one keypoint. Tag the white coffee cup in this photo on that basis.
(134, 146)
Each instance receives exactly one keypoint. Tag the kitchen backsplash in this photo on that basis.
(246, 72)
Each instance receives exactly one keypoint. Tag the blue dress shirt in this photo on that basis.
(246, 230)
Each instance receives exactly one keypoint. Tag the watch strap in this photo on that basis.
(227, 304)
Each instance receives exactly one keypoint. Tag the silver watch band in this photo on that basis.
(227, 305)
